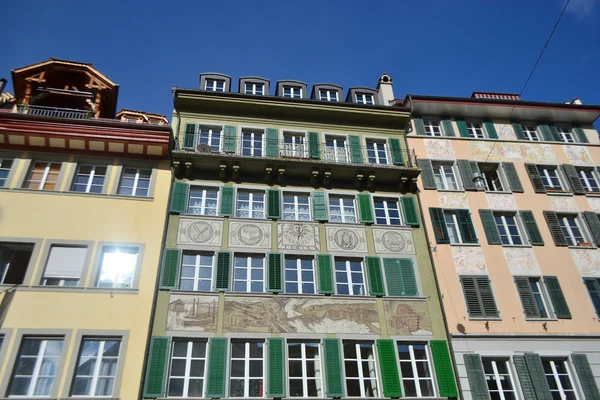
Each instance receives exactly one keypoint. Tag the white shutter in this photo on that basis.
(65, 262)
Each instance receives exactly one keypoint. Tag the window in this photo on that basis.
(117, 267)
(250, 204)
(255, 88)
(96, 367)
(328, 95)
(305, 377)
(335, 149)
(559, 378)
(550, 177)
(252, 143)
(452, 226)
(360, 369)
(588, 179)
(5, 165)
(593, 288)
(530, 132)
(203, 200)
(508, 228)
(342, 209)
(64, 266)
(571, 229)
(135, 182)
(248, 273)
(210, 135)
(295, 92)
(89, 179)
(196, 270)
(294, 145)
(247, 369)
(479, 296)
(492, 177)
(364, 98)
(349, 277)
(475, 130)
(387, 211)
(531, 291)
(14, 260)
(215, 85)
(188, 366)
(377, 151)
(445, 176)
(498, 376)
(565, 134)
(296, 206)
(43, 175)
(299, 275)
(432, 127)
(415, 368)
(35, 367)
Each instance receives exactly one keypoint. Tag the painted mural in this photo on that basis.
(469, 260)
(439, 149)
(563, 203)
(578, 155)
(250, 234)
(344, 239)
(534, 153)
(521, 261)
(501, 201)
(587, 261)
(196, 313)
(505, 131)
(453, 200)
(594, 203)
(393, 241)
(200, 232)
(403, 317)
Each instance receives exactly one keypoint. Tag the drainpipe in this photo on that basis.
(435, 276)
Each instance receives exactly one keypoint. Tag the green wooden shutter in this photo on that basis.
(388, 366)
(156, 368)
(514, 182)
(439, 225)
(419, 126)
(490, 129)
(533, 232)
(227, 194)
(547, 133)
(276, 367)
(447, 127)
(272, 149)
(375, 278)
(536, 179)
(274, 203)
(594, 224)
(356, 156)
(217, 365)
(467, 230)
(479, 296)
(555, 229)
(179, 197)
(476, 377)
(314, 150)
(409, 281)
(365, 208)
(443, 368)
(573, 178)
(581, 137)
(275, 277)
(489, 226)
(538, 378)
(462, 128)
(427, 173)
(393, 276)
(487, 296)
(224, 261)
(466, 174)
(559, 303)
(593, 288)
(586, 376)
(189, 138)
(524, 378)
(230, 134)
(409, 208)
(333, 368)
(518, 131)
(324, 264)
(319, 204)
(530, 307)
(170, 268)
(396, 151)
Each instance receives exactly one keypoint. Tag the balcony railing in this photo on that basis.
(53, 112)
(259, 147)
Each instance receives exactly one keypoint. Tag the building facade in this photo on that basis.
(511, 193)
(83, 199)
(296, 263)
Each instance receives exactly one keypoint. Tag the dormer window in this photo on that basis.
(215, 85)
(255, 88)
(328, 95)
(364, 98)
(295, 92)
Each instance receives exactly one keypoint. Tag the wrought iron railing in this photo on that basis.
(53, 112)
(260, 147)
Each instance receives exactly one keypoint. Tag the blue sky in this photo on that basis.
(438, 47)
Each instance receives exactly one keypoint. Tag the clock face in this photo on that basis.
(200, 232)
(297, 233)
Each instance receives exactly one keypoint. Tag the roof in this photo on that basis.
(6, 97)
(140, 112)
(53, 60)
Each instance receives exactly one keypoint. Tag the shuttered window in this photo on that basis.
(227, 195)
(533, 232)
(492, 177)
(586, 376)
(223, 279)
(479, 296)
(431, 127)
(419, 126)
(396, 151)
(588, 178)
(275, 273)
(272, 147)
(365, 208)
(170, 268)
(427, 176)
(356, 156)
(319, 202)
(333, 368)
(514, 182)
(409, 206)
(389, 368)
(445, 176)
(593, 287)
(478, 383)
(533, 296)
(531, 376)
(557, 298)
(400, 277)
(154, 383)
(274, 203)
(439, 225)
(560, 378)
(443, 368)
(574, 180)
(535, 178)
(375, 276)
(447, 127)
(324, 265)
(499, 378)
(230, 139)
(416, 368)
(314, 148)
(276, 368)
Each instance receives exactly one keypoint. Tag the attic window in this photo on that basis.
(215, 85)
(364, 98)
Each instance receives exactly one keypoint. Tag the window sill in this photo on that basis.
(482, 319)
(73, 289)
(592, 194)
(561, 193)
(521, 246)
(466, 244)
(540, 319)
(216, 217)
(592, 247)
(497, 192)
(451, 190)
(81, 194)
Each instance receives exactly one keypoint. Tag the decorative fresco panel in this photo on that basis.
(538, 153)
(439, 149)
(407, 318)
(563, 203)
(300, 315)
(587, 261)
(521, 261)
(346, 239)
(594, 203)
(501, 201)
(505, 131)
(201, 232)
(393, 241)
(578, 155)
(256, 235)
(453, 200)
(298, 236)
(193, 313)
(469, 260)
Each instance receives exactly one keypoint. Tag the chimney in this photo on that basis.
(577, 100)
(2, 85)
(385, 91)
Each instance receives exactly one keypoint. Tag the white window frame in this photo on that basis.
(348, 271)
(134, 188)
(7, 168)
(248, 268)
(196, 279)
(386, 208)
(413, 362)
(214, 132)
(246, 378)
(585, 180)
(295, 91)
(377, 144)
(344, 218)
(489, 175)
(430, 125)
(106, 249)
(364, 98)
(214, 85)
(473, 127)
(254, 133)
(530, 132)
(566, 134)
(452, 215)
(541, 288)
(505, 225)
(556, 376)
(300, 280)
(188, 364)
(439, 169)
(295, 149)
(339, 151)
(296, 205)
(90, 177)
(37, 369)
(328, 95)
(496, 376)
(257, 89)
(358, 361)
(318, 367)
(544, 171)
(98, 363)
(570, 236)
(202, 207)
(44, 180)
(251, 203)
